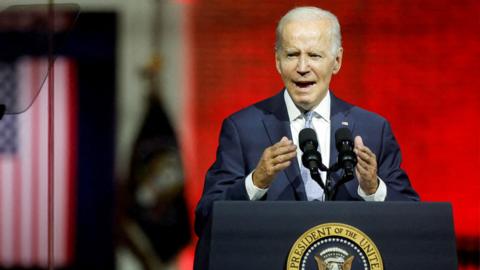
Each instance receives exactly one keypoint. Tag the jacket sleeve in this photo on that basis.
(389, 169)
(225, 180)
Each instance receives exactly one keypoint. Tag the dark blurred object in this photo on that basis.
(2, 110)
(156, 220)
(468, 249)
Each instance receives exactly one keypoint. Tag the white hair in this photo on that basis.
(307, 14)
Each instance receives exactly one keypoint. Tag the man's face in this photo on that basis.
(305, 61)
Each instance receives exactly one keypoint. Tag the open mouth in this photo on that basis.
(304, 84)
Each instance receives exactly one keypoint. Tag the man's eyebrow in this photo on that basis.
(316, 51)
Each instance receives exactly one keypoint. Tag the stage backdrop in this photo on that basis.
(414, 62)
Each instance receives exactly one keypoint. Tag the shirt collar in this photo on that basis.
(322, 109)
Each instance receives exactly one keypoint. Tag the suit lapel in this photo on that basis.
(277, 125)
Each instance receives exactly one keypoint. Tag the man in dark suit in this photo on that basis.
(258, 157)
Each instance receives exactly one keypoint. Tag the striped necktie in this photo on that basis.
(312, 188)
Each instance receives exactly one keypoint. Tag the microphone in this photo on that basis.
(347, 159)
(311, 158)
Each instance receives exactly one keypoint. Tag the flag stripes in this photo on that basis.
(24, 173)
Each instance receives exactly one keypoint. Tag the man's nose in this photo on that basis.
(303, 67)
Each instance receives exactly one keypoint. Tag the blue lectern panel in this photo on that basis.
(260, 235)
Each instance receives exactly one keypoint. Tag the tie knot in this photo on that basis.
(308, 119)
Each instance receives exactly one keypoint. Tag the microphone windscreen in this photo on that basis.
(307, 135)
(343, 134)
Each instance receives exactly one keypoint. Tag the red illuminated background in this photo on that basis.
(415, 62)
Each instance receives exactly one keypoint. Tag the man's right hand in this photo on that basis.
(274, 159)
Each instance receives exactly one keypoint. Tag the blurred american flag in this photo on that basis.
(24, 163)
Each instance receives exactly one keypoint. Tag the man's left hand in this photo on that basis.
(366, 169)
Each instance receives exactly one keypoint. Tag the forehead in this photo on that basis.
(306, 33)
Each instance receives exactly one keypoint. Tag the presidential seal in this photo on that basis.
(334, 246)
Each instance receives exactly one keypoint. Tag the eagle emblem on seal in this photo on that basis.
(334, 258)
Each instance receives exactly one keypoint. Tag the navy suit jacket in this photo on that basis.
(246, 134)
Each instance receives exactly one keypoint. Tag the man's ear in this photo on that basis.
(338, 61)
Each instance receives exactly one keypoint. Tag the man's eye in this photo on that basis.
(315, 56)
(291, 55)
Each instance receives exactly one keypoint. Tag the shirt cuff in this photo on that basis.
(254, 192)
(378, 196)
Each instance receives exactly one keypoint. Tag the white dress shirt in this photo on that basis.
(321, 124)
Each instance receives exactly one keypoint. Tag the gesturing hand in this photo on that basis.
(274, 159)
(366, 169)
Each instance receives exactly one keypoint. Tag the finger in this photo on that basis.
(358, 149)
(367, 163)
(367, 157)
(364, 159)
(284, 157)
(363, 165)
(360, 173)
(366, 180)
(360, 146)
(281, 166)
(358, 141)
(365, 149)
(287, 149)
(363, 172)
(366, 172)
(283, 142)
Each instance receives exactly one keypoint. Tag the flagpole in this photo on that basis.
(51, 107)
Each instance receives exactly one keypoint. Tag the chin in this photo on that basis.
(304, 104)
